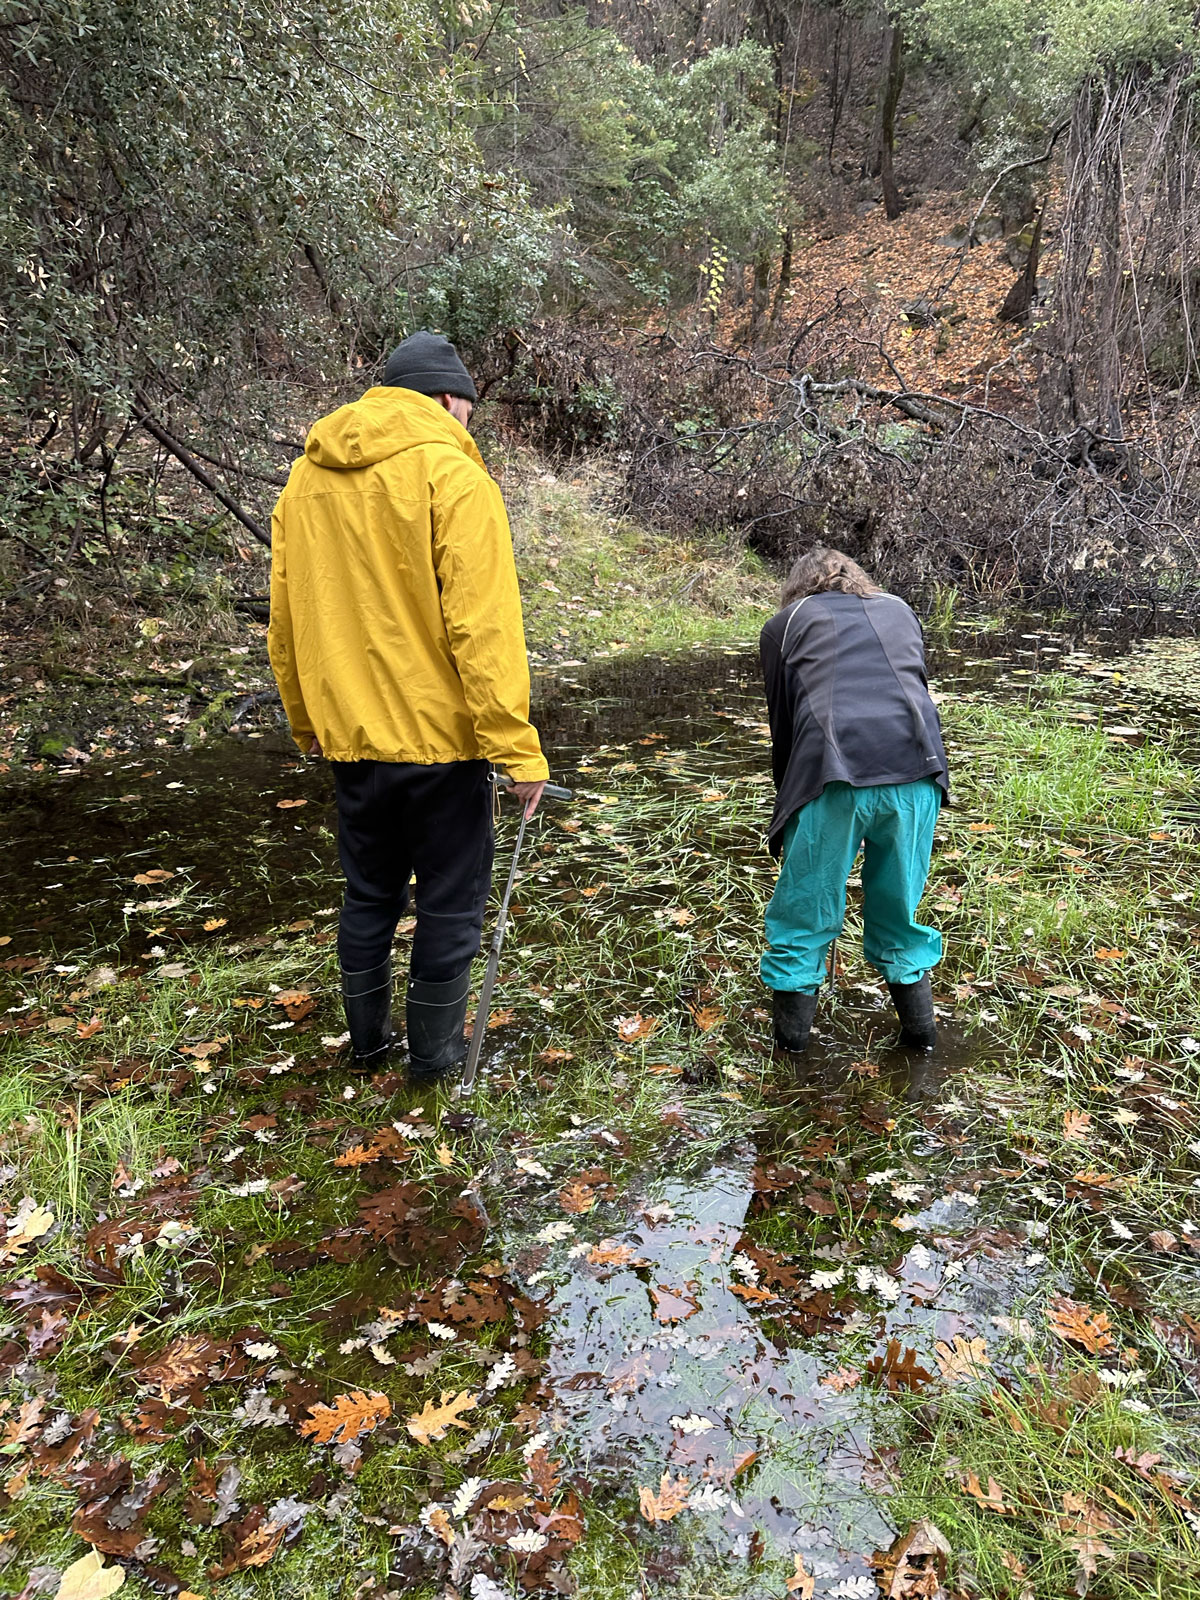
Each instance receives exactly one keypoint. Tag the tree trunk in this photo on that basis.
(889, 99)
(785, 276)
(1019, 298)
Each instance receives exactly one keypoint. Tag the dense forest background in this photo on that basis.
(820, 269)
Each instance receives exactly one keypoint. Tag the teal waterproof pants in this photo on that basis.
(894, 823)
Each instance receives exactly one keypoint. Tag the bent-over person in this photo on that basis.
(858, 760)
(397, 642)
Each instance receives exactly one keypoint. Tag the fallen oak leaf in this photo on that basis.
(635, 1027)
(348, 1418)
(295, 1003)
(991, 1498)
(962, 1360)
(155, 875)
(1077, 1323)
(668, 1502)
(289, 805)
(1077, 1125)
(802, 1583)
(89, 1579)
(575, 1198)
(432, 1421)
(914, 1565)
(896, 1370)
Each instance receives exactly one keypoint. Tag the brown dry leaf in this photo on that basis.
(544, 1473)
(201, 1052)
(1077, 1125)
(962, 1360)
(155, 875)
(669, 1501)
(551, 1055)
(89, 1030)
(214, 923)
(289, 805)
(673, 1305)
(501, 1019)
(1111, 955)
(180, 1364)
(510, 1500)
(914, 1566)
(440, 1523)
(752, 1293)
(348, 1418)
(249, 1543)
(20, 1429)
(801, 1583)
(635, 1027)
(991, 1498)
(295, 1003)
(251, 1002)
(432, 1421)
(898, 1370)
(1163, 1239)
(576, 1198)
(706, 1017)
(1077, 1323)
(25, 1230)
(89, 1579)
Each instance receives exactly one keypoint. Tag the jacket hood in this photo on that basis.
(382, 424)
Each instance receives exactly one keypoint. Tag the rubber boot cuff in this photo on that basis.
(794, 1013)
(367, 998)
(435, 1014)
(914, 1007)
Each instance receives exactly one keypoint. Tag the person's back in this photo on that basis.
(858, 760)
(394, 633)
(397, 644)
(847, 697)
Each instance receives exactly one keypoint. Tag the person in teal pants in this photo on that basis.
(858, 761)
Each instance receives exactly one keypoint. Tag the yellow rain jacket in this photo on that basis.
(396, 631)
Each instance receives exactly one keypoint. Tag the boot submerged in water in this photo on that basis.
(914, 1007)
(436, 1013)
(367, 998)
(794, 1013)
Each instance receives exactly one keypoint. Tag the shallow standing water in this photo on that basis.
(692, 1339)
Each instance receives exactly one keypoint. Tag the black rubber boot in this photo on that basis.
(914, 1007)
(436, 1013)
(794, 1013)
(367, 997)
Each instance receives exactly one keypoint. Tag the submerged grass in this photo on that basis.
(629, 1103)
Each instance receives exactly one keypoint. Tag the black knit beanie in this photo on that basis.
(429, 364)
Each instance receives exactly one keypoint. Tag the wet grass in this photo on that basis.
(813, 1212)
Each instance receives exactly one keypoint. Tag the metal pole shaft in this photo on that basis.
(493, 967)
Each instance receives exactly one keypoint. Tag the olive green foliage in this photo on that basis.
(189, 192)
(1024, 60)
(656, 163)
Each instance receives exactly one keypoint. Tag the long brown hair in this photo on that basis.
(820, 569)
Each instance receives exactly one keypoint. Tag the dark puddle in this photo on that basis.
(213, 819)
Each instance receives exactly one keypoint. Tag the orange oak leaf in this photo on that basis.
(348, 1418)
(635, 1027)
(432, 1421)
(668, 1502)
(1077, 1323)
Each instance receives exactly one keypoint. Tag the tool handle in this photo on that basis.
(467, 1082)
(552, 791)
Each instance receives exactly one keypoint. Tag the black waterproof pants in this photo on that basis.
(397, 820)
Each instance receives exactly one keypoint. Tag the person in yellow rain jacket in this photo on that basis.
(397, 643)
